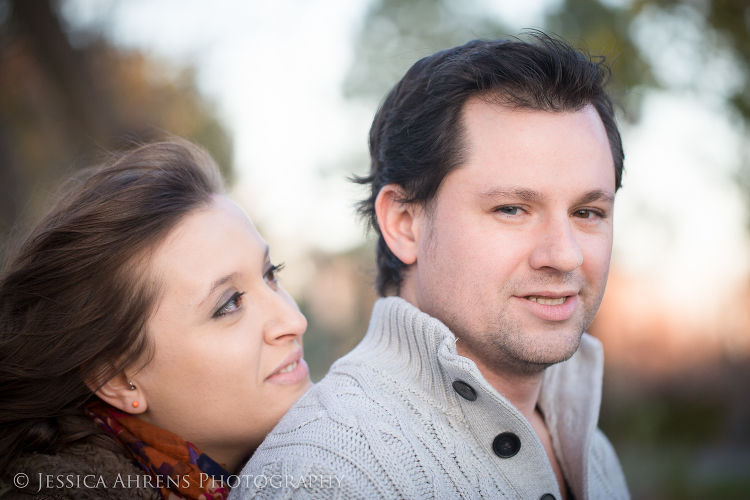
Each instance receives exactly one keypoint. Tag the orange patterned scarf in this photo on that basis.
(177, 468)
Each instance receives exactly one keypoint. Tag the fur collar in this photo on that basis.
(87, 469)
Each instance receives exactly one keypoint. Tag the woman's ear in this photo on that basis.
(121, 393)
(399, 222)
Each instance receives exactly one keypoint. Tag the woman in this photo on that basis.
(146, 348)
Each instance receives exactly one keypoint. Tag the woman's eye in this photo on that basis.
(230, 305)
(272, 272)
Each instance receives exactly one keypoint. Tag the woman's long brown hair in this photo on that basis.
(74, 298)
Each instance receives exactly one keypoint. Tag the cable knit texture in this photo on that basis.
(386, 423)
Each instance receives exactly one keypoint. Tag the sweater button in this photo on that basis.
(506, 445)
(465, 390)
(548, 496)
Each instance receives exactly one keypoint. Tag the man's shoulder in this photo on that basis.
(330, 440)
(350, 396)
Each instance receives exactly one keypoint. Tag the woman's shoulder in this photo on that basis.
(20, 495)
(90, 468)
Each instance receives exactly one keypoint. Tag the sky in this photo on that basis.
(275, 71)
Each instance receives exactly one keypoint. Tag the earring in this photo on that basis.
(132, 388)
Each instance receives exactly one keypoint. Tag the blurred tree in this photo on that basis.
(605, 30)
(709, 28)
(396, 33)
(62, 106)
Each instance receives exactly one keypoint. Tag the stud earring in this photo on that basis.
(135, 404)
(132, 387)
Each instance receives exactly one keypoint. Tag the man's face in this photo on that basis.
(515, 248)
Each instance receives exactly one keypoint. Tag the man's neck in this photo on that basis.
(522, 390)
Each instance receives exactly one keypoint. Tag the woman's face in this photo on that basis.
(228, 352)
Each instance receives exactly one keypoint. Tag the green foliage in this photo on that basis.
(602, 30)
(729, 24)
(397, 33)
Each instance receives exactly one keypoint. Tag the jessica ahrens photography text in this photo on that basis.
(92, 481)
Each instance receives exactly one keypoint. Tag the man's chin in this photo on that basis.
(524, 359)
(541, 351)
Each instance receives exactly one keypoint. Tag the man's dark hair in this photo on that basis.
(417, 137)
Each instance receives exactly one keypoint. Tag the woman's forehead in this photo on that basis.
(209, 243)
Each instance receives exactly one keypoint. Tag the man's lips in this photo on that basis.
(551, 305)
(549, 293)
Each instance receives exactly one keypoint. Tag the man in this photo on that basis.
(494, 170)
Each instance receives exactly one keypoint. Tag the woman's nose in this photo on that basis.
(285, 321)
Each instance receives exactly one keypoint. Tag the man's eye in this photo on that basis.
(585, 214)
(230, 305)
(509, 210)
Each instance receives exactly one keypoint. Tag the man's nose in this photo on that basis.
(556, 247)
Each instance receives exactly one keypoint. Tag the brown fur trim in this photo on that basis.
(82, 471)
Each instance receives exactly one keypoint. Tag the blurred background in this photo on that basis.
(282, 94)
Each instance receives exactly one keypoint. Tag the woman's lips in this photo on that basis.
(298, 374)
(549, 308)
(292, 370)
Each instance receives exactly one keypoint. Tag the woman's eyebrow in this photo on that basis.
(224, 279)
(216, 284)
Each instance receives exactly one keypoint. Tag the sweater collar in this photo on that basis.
(407, 344)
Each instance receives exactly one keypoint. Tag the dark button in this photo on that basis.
(506, 445)
(548, 496)
(465, 390)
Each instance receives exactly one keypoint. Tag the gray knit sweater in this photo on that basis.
(386, 422)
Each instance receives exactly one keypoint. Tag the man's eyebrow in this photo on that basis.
(595, 195)
(216, 284)
(530, 195)
(524, 194)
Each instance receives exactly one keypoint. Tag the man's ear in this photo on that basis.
(399, 222)
(119, 393)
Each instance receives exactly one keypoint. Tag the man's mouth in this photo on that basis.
(289, 368)
(555, 305)
(547, 301)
